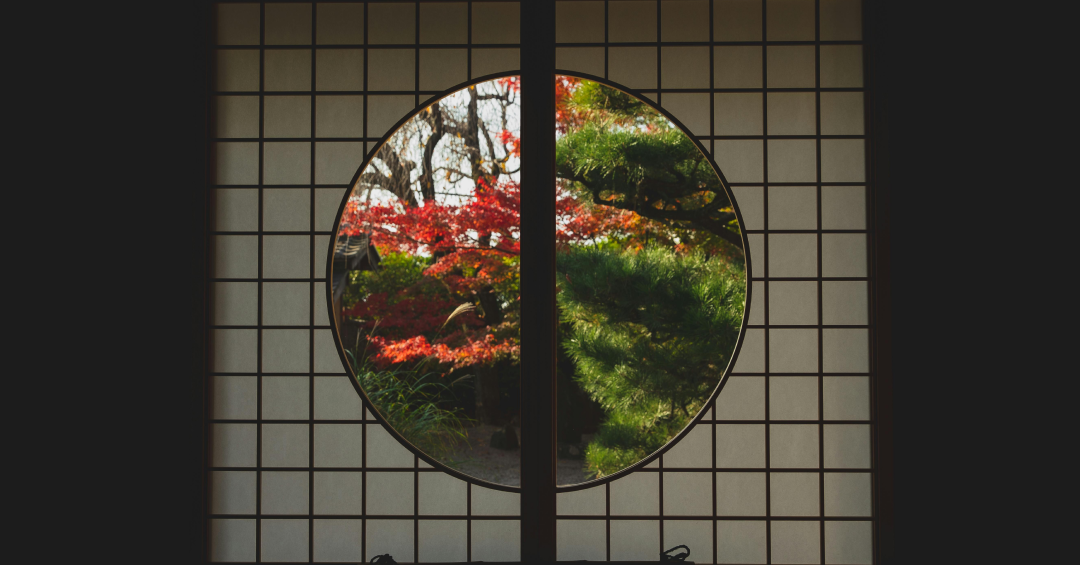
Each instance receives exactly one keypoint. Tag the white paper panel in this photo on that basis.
(740, 446)
(635, 540)
(236, 163)
(740, 494)
(636, 495)
(285, 398)
(792, 255)
(580, 539)
(740, 160)
(286, 256)
(490, 61)
(688, 494)
(386, 451)
(389, 493)
(496, 22)
(285, 351)
(338, 493)
(496, 540)
(236, 70)
(232, 492)
(634, 67)
(236, 116)
(442, 541)
(841, 20)
(738, 113)
(796, 542)
(287, 209)
(335, 399)
(288, 24)
(793, 398)
(693, 450)
(590, 501)
(849, 542)
(441, 494)
(234, 351)
(743, 398)
(285, 445)
(579, 22)
(737, 66)
(490, 502)
(287, 162)
(235, 398)
(237, 24)
(339, 445)
(790, 66)
(339, 24)
(392, 22)
(793, 303)
(339, 116)
(793, 445)
(794, 494)
(339, 69)
(441, 69)
(235, 303)
(287, 69)
(337, 540)
(391, 536)
(631, 20)
(741, 541)
(285, 492)
(691, 109)
(684, 20)
(847, 494)
(751, 204)
(737, 20)
(684, 67)
(232, 540)
(847, 446)
(846, 398)
(789, 20)
(444, 22)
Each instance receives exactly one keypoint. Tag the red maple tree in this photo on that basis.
(464, 310)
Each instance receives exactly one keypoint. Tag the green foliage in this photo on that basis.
(419, 405)
(651, 333)
(396, 271)
(621, 441)
(601, 102)
(508, 288)
(625, 155)
(626, 163)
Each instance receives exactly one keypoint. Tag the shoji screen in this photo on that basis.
(299, 471)
(781, 470)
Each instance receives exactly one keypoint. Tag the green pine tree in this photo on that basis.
(651, 333)
(651, 330)
(628, 156)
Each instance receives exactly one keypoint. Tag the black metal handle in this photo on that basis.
(666, 556)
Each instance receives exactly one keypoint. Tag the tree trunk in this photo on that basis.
(487, 395)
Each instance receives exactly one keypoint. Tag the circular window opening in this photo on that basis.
(650, 276)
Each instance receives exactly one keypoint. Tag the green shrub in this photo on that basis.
(651, 334)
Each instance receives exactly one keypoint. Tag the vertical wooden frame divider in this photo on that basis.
(538, 312)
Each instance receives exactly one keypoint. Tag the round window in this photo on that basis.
(650, 278)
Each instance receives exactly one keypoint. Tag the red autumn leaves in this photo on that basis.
(474, 244)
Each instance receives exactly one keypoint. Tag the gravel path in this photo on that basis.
(500, 466)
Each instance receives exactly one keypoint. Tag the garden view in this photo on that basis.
(649, 273)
